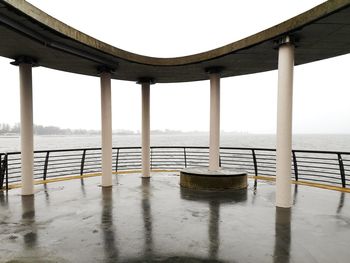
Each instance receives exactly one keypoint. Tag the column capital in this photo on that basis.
(291, 39)
(25, 60)
(214, 70)
(105, 69)
(147, 80)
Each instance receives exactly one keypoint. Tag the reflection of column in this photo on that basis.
(147, 217)
(282, 235)
(214, 219)
(110, 247)
(28, 219)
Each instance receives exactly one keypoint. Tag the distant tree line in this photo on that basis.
(6, 129)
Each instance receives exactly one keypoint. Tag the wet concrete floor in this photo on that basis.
(156, 221)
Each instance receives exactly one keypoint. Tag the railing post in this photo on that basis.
(2, 171)
(46, 165)
(295, 165)
(185, 157)
(82, 162)
(342, 171)
(7, 171)
(255, 163)
(220, 160)
(116, 161)
(151, 161)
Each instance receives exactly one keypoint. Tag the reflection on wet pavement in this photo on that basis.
(147, 220)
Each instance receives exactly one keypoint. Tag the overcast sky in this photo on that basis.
(175, 28)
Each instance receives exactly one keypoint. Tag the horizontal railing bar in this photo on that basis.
(172, 152)
(270, 175)
(319, 172)
(181, 147)
(336, 163)
(316, 180)
(70, 172)
(264, 154)
(58, 163)
(236, 158)
(64, 157)
(320, 175)
(233, 154)
(129, 161)
(131, 158)
(59, 167)
(270, 169)
(64, 174)
(231, 161)
(168, 154)
(319, 167)
(89, 160)
(264, 162)
(318, 151)
(13, 163)
(301, 158)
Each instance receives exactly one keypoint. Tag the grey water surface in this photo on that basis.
(324, 142)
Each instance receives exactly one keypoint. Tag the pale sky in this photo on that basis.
(174, 28)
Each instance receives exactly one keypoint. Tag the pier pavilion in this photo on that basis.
(33, 38)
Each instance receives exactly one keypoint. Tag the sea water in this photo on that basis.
(323, 142)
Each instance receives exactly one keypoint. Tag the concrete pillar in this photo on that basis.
(106, 129)
(26, 105)
(284, 123)
(214, 140)
(146, 160)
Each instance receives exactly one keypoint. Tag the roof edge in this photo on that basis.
(271, 33)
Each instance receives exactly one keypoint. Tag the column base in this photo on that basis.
(32, 194)
(202, 179)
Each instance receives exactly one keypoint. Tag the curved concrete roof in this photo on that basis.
(321, 33)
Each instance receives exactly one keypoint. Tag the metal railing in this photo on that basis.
(326, 167)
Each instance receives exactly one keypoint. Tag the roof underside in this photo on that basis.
(322, 32)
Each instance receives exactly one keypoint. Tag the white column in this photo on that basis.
(146, 170)
(214, 140)
(27, 154)
(284, 124)
(106, 129)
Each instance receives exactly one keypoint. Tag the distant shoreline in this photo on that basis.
(170, 133)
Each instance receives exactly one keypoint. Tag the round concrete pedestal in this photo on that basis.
(202, 178)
